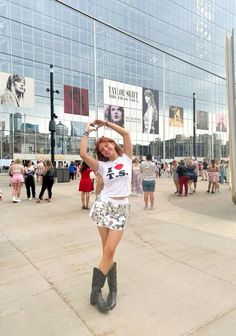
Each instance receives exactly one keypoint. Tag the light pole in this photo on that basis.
(194, 126)
(52, 123)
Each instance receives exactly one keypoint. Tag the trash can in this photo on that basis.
(63, 175)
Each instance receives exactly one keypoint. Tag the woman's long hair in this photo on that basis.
(48, 164)
(12, 79)
(100, 156)
(213, 162)
(83, 167)
(152, 102)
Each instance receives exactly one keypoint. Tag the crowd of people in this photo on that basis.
(145, 170)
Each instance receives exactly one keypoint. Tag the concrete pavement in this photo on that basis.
(176, 266)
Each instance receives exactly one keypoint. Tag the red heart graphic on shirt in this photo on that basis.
(118, 166)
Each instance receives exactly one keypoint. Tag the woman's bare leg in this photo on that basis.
(151, 196)
(83, 199)
(87, 199)
(145, 196)
(103, 234)
(19, 184)
(111, 242)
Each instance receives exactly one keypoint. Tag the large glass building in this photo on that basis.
(157, 64)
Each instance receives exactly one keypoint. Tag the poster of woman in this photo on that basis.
(176, 116)
(16, 90)
(202, 120)
(221, 123)
(150, 111)
(114, 114)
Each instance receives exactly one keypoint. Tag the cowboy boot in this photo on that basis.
(98, 282)
(112, 284)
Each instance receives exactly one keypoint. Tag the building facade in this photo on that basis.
(155, 66)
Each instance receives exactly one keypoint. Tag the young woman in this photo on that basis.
(137, 176)
(111, 208)
(48, 181)
(183, 178)
(17, 173)
(29, 180)
(85, 185)
(148, 169)
(213, 177)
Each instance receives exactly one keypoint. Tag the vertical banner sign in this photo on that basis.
(16, 90)
(230, 81)
(76, 100)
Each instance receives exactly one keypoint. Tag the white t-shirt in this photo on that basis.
(116, 177)
(148, 169)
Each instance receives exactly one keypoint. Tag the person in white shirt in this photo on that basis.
(148, 169)
(111, 208)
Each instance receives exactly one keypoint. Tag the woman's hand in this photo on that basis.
(98, 123)
(90, 127)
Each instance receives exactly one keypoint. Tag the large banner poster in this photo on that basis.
(176, 116)
(16, 90)
(202, 120)
(221, 122)
(130, 106)
(150, 111)
(76, 100)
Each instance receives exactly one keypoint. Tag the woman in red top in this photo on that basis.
(85, 185)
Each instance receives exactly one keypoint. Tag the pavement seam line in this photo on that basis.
(209, 322)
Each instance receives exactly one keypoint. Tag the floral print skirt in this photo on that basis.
(110, 215)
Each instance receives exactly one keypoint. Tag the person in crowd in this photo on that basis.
(150, 116)
(137, 176)
(72, 171)
(29, 180)
(158, 169)
(10, 173)
(39, 171)
(17, 173)
(213, 177)
(226, 177)
(222, 171)
(175, 175)
(148, 169)
(191, 168)
(204, 170)
(77, 169)
(111, 208)
(167, 170)
(197, 169)
(14, 92)
(85, 184)
(47, 181)
(183, 178)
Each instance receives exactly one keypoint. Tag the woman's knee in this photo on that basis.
(109, 251)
